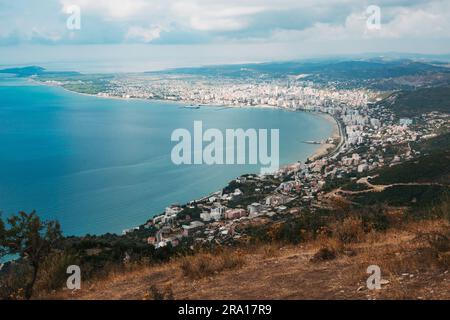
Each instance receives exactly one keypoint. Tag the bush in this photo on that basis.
(156, 294)
(438, 248)
(12, 281)
(349, 230)
(415, 196)
(53, 274)
(442, 210)
(324, 254)
(205, 264)
(353, 186)
(302, 227)
(375, 218)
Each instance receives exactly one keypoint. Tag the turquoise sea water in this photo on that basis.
(102, 165)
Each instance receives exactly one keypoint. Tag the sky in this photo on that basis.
(139, 35)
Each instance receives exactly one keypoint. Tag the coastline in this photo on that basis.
(323, 150)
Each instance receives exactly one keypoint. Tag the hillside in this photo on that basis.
(413, 267)
(24, 71)
(429, 168)
(332, 70)
(321, 255)
(38, 71)
(416, 102)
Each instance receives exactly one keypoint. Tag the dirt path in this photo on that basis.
(339, 193)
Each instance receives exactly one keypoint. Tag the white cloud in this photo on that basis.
(416, 18)
(328, 23)
(215, 16)
(430, 21)
(143, 34)
(111, 9)
(423, 22)
(43, 34)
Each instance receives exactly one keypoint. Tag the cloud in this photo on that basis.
(215, 16)
(111, 9)
(143, 34)
(430, 21)
(332, 23)
(39, 33)
(424, 22)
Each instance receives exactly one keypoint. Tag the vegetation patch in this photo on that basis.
(416, 102)
(430, 168)
(207, 264)
(418, 196)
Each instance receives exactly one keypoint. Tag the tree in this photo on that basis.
(30, 238)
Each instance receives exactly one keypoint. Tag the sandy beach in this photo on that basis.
(326, 148)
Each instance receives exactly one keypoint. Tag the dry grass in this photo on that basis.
(328, 249)
(349, 230)
(265, 250)
(206, 264)
(413, 259)
(343, 233)
(155, 293)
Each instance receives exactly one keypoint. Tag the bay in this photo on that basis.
(102, 165)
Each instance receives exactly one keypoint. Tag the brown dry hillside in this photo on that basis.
(414, 261)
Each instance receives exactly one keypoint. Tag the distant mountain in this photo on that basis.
(36, 71)
(25, 71)
(340, 70)
(377, 73)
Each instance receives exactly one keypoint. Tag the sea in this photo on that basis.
(101, 165)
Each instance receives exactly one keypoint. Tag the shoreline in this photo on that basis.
(324, 148)
(322, 151)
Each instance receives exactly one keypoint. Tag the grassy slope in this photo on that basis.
(407, 261)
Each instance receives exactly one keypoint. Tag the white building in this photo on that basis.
(363, 167)
(205, 216)
(254, 209)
